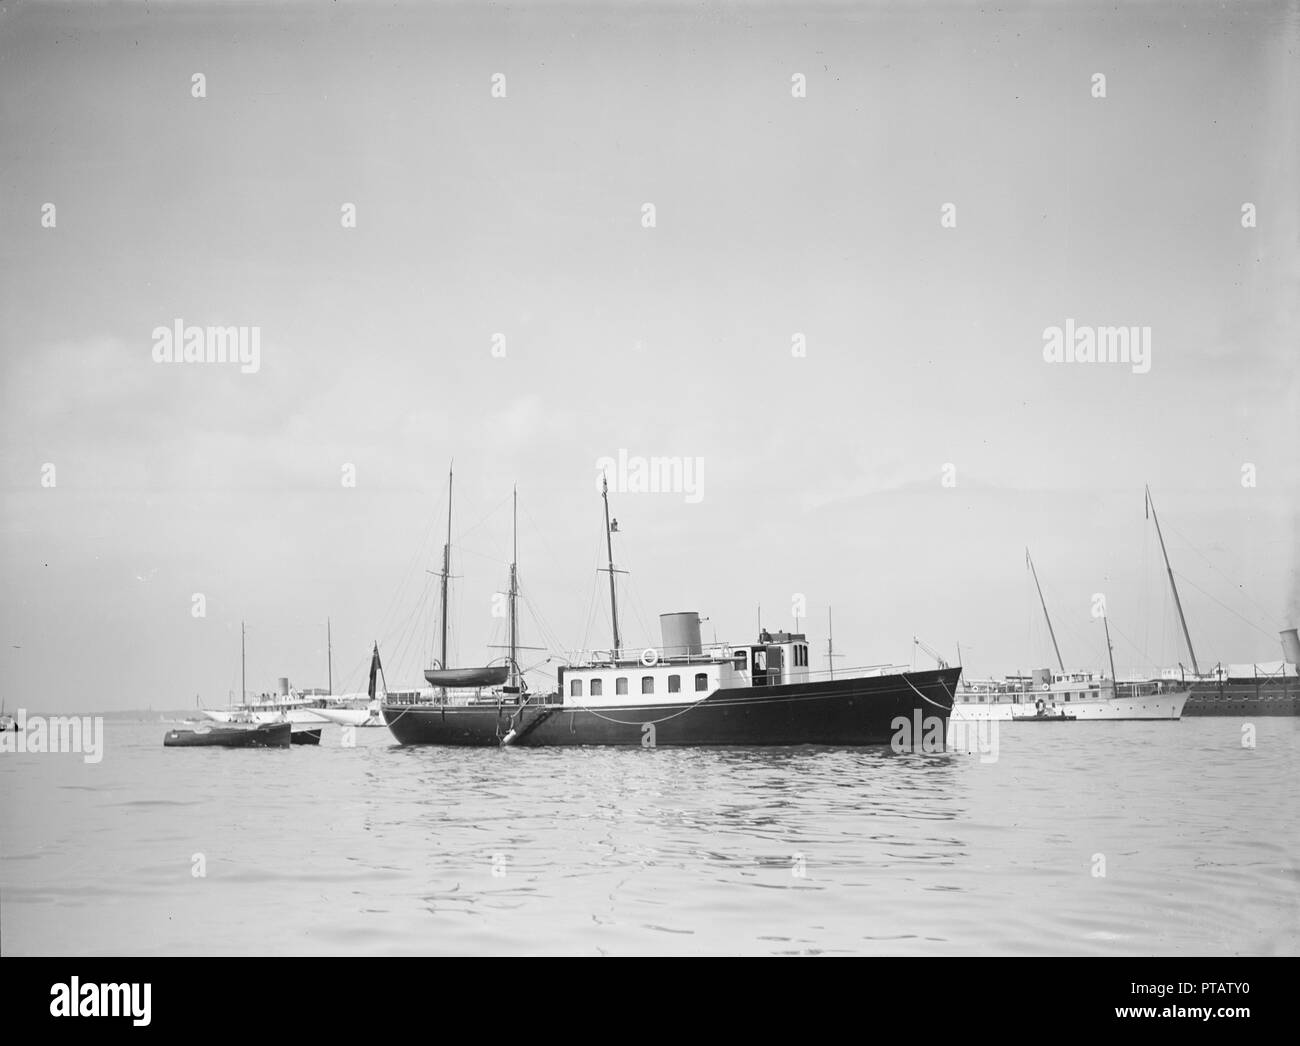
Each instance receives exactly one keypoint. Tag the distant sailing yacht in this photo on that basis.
(1045, 695)
(350, 709)
(761, 693)
(350, 712)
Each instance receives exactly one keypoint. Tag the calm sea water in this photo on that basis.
(385, 850)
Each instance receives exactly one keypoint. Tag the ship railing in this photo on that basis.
(859, 671)
(1151, 687)
(717, 654)
(996, 694)
(461, 696)
(648, 657)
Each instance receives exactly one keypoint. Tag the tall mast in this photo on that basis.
(514, 588)
(446, 571)
(1110, 652)
(830, 642)
(329, 648)
(1178, 603)
(609, 549)
(512, 647)
(243, 686)
(1050, 631)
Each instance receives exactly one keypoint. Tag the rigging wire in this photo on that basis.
(1269, 635)
(595, 581)
(1142, 657)
(574, 592)
(548, 634)
(1268, 615)
(461, 535)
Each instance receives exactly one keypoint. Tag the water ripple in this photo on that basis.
(1107, 839)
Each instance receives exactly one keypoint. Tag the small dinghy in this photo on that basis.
(264, 735)
(1043, 714)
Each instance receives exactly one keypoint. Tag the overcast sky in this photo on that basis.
(774, 216)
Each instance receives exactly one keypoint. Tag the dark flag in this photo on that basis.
(374, 671)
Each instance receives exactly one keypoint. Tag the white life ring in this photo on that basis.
(649, 657)
(1047, 686)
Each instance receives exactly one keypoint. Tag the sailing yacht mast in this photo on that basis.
(609, 548)
(1178, 604)
(1110, 653)
(1050, 631)
(329, 654)
(515, 678)
(514, 589)
(830, 643)
(446, 572)
(243, 686)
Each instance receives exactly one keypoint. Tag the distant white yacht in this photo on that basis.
(1083, 695)
(286, 706)
(1064, 696)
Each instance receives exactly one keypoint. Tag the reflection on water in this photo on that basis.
(1106, 838)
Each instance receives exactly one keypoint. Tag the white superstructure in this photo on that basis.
(1084, 695)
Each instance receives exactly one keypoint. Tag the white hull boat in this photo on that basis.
(305, 717)
(1150, 701)
(351, 716)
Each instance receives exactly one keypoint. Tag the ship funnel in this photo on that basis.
(282, 684)
(1291, 645)
(681, 633)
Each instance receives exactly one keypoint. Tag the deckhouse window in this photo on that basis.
(620, 685)
(742, 660)
(701, 681)
(674, 684)
(647, 684)
(597, 687)
(575, 687)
